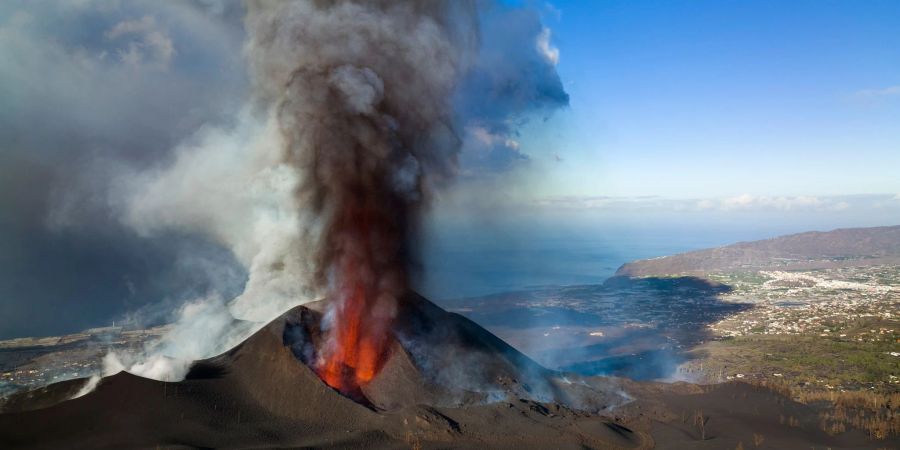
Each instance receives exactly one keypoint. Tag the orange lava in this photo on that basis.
(357, 346)
(363, 300)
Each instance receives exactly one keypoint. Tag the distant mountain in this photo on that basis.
(803, 251)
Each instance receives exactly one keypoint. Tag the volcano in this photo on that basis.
(444, 382)
(266, 392)
(443, 359)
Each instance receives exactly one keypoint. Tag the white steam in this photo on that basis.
(232, 186)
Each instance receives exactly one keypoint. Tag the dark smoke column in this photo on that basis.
(361, 95)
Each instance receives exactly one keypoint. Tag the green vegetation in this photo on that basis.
(831, 329)
(815, 360)
(741, 282)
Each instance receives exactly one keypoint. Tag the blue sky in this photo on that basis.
(700, 99)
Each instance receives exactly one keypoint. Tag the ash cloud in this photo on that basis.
(513, 80)
(364, 112)
(157, 140)
(370, 118)
(74, 115)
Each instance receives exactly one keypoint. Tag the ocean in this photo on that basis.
(468, 260)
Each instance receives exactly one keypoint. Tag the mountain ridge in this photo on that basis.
(809, 250)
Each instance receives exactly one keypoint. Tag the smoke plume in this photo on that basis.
(361, 93)
(357, 113)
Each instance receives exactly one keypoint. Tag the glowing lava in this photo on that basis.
(356, 348)
(366, 280)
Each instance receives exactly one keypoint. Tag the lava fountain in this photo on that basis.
(361, 95)
(367, 279)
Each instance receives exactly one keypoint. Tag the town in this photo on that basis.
(29, 363)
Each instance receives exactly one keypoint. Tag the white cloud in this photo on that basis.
(739, 203)
(484, 137)
(546, 49)
(783, 203)
(149, 45)
(873, 94)
(575, 202)
(140, 26)
(601, 202)
(840, 206)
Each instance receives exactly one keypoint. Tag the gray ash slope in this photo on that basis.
(446, 381)
(803, 251)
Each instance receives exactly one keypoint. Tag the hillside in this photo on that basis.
(803, 251)
(447, 383)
